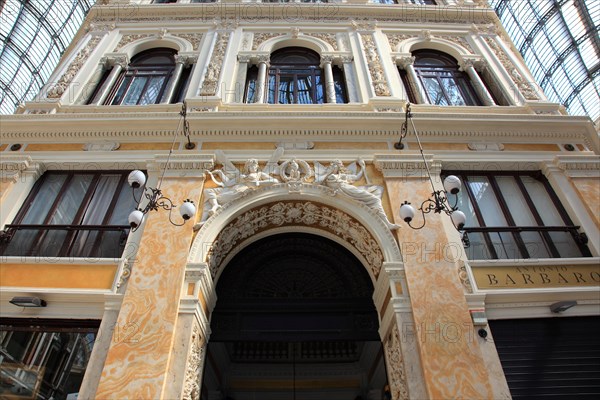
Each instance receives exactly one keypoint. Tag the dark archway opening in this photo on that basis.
(294, 319)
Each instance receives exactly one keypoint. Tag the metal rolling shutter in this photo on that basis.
(550, 358)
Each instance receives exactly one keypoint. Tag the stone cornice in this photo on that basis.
(222, 13)
(579, 166)
(311, 124)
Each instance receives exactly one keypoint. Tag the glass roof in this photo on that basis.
(33, 36)
(560, 43)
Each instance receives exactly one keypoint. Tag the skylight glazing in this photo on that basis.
(560, 42)
(33, 36)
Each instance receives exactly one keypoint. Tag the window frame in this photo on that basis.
(55, 368)
(76, 226)
(309, 69)
(137, 68)
(450, 69)
(511, 224)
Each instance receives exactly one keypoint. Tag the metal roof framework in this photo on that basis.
(560, 42)
(33, 36)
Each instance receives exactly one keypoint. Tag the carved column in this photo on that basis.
(118, 63)
(240, 82)
(261, 81)
(139, 368)
(445, 336)
(406, 63)
(468, 65)
(329, 83)
(180, 62)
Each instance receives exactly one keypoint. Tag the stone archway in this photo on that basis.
(307, 208)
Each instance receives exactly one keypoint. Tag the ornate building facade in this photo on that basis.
(299, 276)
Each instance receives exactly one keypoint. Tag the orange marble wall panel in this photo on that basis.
(69, 276)
(351, 145)
(54, 147)
(453, 365)
(531, 147)
(238, 145)
(588, 190)
(137, 368)
(441, 146)
(145, 146)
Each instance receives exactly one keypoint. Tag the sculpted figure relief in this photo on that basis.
(341, 179)
(234, 183)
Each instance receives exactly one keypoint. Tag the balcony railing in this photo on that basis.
(64, 240)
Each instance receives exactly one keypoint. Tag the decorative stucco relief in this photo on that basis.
(326, 37)
(464, 277)
(395, 40)
(395, 365)
(524, 87)
(375, 69)
(193, 38)
(459, 40)
(260, 37)
(57, 90)
(191, 388)
(126, 39)
(293, 213)
(211, 79)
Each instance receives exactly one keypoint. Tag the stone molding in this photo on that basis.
(578, 166)
(182, 163)
(14, 165)
(410, 166)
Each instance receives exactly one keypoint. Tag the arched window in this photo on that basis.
(151, 77)
(442, 82)
(145, 79)
(295, 77)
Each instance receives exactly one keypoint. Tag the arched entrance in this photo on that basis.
(294, 319)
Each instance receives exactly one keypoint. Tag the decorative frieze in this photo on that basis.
(395, 365)
(380, 84)
(65, 80)
(211, 79)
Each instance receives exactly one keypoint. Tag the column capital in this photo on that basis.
(120, 59)
(472, 62)
(181, 59)
(404, 61)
